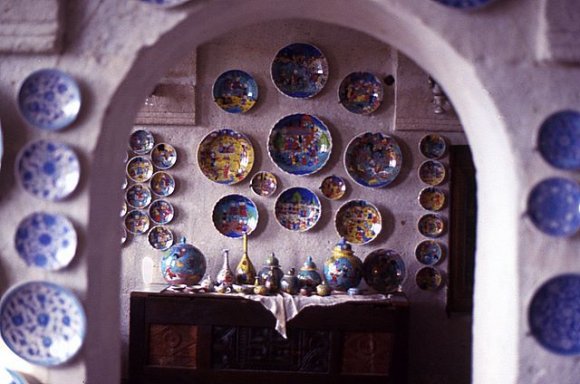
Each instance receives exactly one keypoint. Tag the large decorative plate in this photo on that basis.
(48, 169)
(373, 159)
(225, 156)
(300, 144)
(300, 70)
(141, 142)
(429, 252)
(554, 315)
(139, 169)
(431, 225)
(264, 183)
(432, 172)
(235, 91)
(384, 270)
(234, 215)
(161, 212)
(162, 184)
(49, 99)
(297, 209)
(465, 4)
(559, 140)
(358, 221)
(432, 198)
(137, 222)
(138, 196)
(333, 187)
(361, 93)
(554, 206)
(42, 322)
(45, 240)
(160, 237)
(433, 146)
(163, 156)
(428, 279)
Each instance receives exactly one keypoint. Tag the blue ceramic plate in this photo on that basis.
(162, 184)
(160, 237)
(138, 196)
(49, 99)
(137, 222)
(300, 144)
(42, 322)
(161, 212)
(333, 187)
(45, 240)
(163, 156)
(361, 93)
(431, 225)
(234, 215)
(139, 169)
(235, 91)
(554, 206)
(141, 142)
(432, 172)
(559, 140)
(433, 146)
(358, 221)
(428, 279)
(297, 209)
(554, 315)
(465, 4)
(384, 270)
(300, 70)
(264, 183)
(429, 252)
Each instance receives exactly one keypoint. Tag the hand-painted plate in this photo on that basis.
(264, 183)
(432, 172)
(431, 225)
(139, 169)
(559, 140)
(432, 198)
(163, 156)
(235, 91)
(49, 99)
(297, 209)
(138, 196)
(300, 144)
(141, 142)
(137, 222)
(465, 4)
(428, 279)
(333, 187)
(358, 221)
(162, 184)
(48, 169)
(225, 156)
(433, 146)
(234, 215)
(42, 322)
(45, 240)
(361, 93)
(300, 70)
(161, 212)
(429, 252)
(554, 206)
(384, 270)
(160, 237)
(373, 159)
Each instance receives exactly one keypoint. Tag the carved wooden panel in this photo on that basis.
(173, 345)
(367, 353)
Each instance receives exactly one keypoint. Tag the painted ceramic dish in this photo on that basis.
(141, 142)
(300, 70)
(358, 221)
(264, 183)
(428, 279)
(140, 169)
(361, 93)
(49, 99)
(235, 91)
(554, 315)
(333, 187)
(160, 237)
(297, 209)
(432, 172)
(465, 4)
(225, 156)
(384, 270)
(559, 140)
(138, 196)
(429, 252)
(234, 215)
(166, 3)
(42, 322)
(433, 146)
(432, 198)
(48, 169)
(137, 222)
(45, 240)
(161, 212)
(162, 184)
(163, 156)
(431, 225)
(300, 144)
(554, 206)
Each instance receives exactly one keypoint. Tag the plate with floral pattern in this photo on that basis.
(361, 93)
(235, 215)
(264, 183)
(432, 198)
(297, 209)
(431, 225)
(138, 196)
(161, 212)
(163, 156)
(141, 142)
(433, 146)
(358, 221)
(137, 222)
(139, 169)
(559, 140)
(428, 279)
(333, 187)
(235, 91)
(160, 237)
(429, 252)
(432, 172)
(162, 184)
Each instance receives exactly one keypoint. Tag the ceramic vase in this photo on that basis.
(183, 264)
(271, 268)
(308, 275)
(343, 270)
(245, 271)
(225, 275)
(290, 283)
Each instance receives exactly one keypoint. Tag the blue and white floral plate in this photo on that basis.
(559, 140)
(361, 93)
(297, 209)
(235, 91)
(141, 142)
(234, 215)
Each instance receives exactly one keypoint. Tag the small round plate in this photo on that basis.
(161, 212)
(297, 209)
(300, 70)
(361, 93)
(43, 323)
(384, 270)
(141, 142)
(429, 252)
(139, 169)
(264, 183)
(123, 235)
(465, 5)
(373, 159)
(138, 196)
(428, 279)
(554, 206)
(431, 225)
(48, 169)
(137, 222)
(433, 146)
(300, 144)
(162, 184)
(163, 156)
(333, 187)
(234, 215)
(235, 91)
(559, 140)
(45, 240)
(225, 156)
(358, 221)
(432, 172)
(123, 209)
(432, 198)
(160, 237)
(49, 99)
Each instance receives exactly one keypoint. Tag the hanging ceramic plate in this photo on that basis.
(138, 196)
(162, 184)
(264, 183)
(161, 212)
(300, 144)
(465, 4)
(300, 70)
(361, 93)
(124, 183)
(431, 225)
(235, 91)
(225, 156)
(48, 169)
(139, 169)
(137, 222)
(559, 140)
(433, 146)
(42, 322)
(553, 315)
(432, 198)
(45, 240)
(384, 270)
(141, 142)
(297, 209)
(165, 3)
(234, 215)
(163, 156)
(373, 159)
(49, 99)
(554, 206)
(333, 187)
(160, 237)
(432, 172)
(429, 252)
(428, 279)
(358, 221)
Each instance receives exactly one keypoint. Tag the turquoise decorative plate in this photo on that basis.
(297, 209)
(234, 215)
(361, 93)
(235, 91)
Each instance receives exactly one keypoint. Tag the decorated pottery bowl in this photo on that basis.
(433, 146)
(297, 209)
(358, 221)
(361, 93)
(264, 183)
(431, 225)
(235, 91)
(163, 156)
(432, 172)
(333, 187)
(235, 215)
(141, 142)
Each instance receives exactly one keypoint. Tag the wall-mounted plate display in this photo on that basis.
(225, 156)
(234, 215)
(300, 144)
(465, 4)
(554, 206)
(49, 99)
(333, 187)
(160, 237)
(373, 159)
(137, 222)
(141, 142)
(433, 146)
(138, 196)
(46, 240)
(432, 198)
(432, 172)
(429, 252)
(300, 70)
(48, 169)
(384, 270)
(361, 93)
(559, 140)
(163, 156)
(235, 91)
(428, 279)
(358, 221)
(431, 225)
(161, 212)
(297, 209)
(43, 323)
(162, 184)
(264, 183)
(139, 169)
